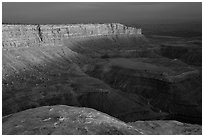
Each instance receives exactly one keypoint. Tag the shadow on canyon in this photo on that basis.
(79, 74)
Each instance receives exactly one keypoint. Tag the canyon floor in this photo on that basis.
(104, 85)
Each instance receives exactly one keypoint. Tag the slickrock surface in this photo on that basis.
(64, 120)
(67, 120)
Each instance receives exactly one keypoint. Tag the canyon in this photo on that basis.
(109, 68)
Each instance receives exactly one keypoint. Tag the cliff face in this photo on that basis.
(19, 35)
(44, 35)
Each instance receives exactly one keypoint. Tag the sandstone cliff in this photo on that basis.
(44, 35)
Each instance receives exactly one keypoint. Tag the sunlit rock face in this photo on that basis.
(47, 35)
(59, 120)
(20, 35)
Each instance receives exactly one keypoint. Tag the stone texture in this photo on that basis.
(59, 120)
(47, 35)
(20, 35)
(67, 120)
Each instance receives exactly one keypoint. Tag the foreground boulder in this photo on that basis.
(63, 119)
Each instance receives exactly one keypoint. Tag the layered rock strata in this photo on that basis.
(47, 35)
(169, 85)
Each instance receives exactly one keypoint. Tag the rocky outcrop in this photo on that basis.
(67, 120)
(64, 120)
(48, 35)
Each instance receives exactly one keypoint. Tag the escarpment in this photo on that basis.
(48, 35)
(108, 67)
(38, 75)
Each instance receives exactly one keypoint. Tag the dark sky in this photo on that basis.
(136, 12)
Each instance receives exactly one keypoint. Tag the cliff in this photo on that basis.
(44, 35)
